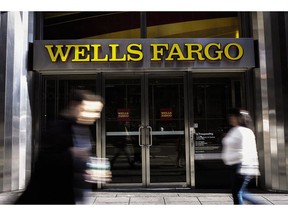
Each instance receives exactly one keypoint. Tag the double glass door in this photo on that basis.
(145, 129)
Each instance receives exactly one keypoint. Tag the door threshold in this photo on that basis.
(140, 188)
(163, 190)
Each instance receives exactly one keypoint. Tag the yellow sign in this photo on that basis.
(134, 52)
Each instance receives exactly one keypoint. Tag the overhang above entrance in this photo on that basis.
(144, 53)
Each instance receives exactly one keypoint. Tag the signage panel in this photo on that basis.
(166, 114)
(123, 114)
(207, 143)
(144, 53)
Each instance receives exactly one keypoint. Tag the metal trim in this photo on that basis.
(136, 133)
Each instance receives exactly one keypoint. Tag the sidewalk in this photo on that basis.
(163, 197)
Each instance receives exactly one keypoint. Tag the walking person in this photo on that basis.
(240, 154)
(58, 176)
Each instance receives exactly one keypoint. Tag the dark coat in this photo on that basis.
(52, 179)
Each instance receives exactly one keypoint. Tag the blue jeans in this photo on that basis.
(239, 187)
(243, 194)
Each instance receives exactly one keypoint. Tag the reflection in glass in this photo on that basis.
(166, 117)
(212, 99)
(123, 118)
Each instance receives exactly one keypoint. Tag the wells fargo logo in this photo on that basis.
(166, 114)
(134, 52)
(123, 114)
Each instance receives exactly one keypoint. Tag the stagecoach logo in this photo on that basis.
(157, 53)
(134, 52)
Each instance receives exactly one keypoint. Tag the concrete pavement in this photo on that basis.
(163, 197)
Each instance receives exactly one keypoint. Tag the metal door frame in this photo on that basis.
(145, 122)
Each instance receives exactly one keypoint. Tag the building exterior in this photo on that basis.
(168, 80)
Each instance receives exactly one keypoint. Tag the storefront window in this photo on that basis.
(192, 25)
(113, 25)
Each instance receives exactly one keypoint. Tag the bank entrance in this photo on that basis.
(157, 129)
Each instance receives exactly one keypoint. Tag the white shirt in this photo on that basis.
(239, 146)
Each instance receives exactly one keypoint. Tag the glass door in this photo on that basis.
(145, 140)
(123, 118)
(166, 124)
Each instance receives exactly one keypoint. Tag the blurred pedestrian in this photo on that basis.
(59, 171)
(240, 154)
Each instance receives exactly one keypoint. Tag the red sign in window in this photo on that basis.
(123, 114)
(166, 114)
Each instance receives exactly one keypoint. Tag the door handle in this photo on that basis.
(150, 133)
(140, 135)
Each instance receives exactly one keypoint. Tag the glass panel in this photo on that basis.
(114, 25)
(92, 25)
(212, 98)
(166, 117)
(123, 118)
(192, 25)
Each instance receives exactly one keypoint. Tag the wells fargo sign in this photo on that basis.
(134, 52)
(123, 114)
(166, 114)
(144, 53)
